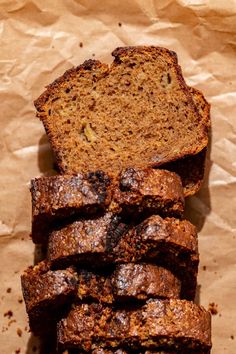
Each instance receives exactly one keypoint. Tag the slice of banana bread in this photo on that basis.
(137, 112)
(168, 242)
(59, 197)
(88, 241)
(149, 191)
(130, 351)
(121, 351)
(142, 281)
(46, 293)
(163, 324)
(129, 282)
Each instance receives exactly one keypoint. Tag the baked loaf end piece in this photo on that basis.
(46, 293)
(137, 112)
(163, 324)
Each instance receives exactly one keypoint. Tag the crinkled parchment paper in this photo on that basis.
(39, 40)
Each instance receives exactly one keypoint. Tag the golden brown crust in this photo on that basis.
(70, 74)
(167, 54)
(160, 323)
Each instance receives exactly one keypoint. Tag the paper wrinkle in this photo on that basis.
(28, 150)
(5, 230)
(41, 39)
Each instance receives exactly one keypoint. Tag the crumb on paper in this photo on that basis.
(8, 290)
(204, 267)
(20, 300)
(81, 44)
(10, 322)
(213, 308)
(8, 314)
(119, 24)
(19, 332)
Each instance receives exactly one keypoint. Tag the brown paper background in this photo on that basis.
(39, 40)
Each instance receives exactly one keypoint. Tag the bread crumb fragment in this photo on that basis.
(19, 332)
(8, 314)
(213, 308)
(10, 322)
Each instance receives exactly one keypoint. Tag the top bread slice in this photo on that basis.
(137, 112)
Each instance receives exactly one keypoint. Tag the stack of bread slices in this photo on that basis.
(120, 272)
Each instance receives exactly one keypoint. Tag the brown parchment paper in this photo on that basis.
(39, 40)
